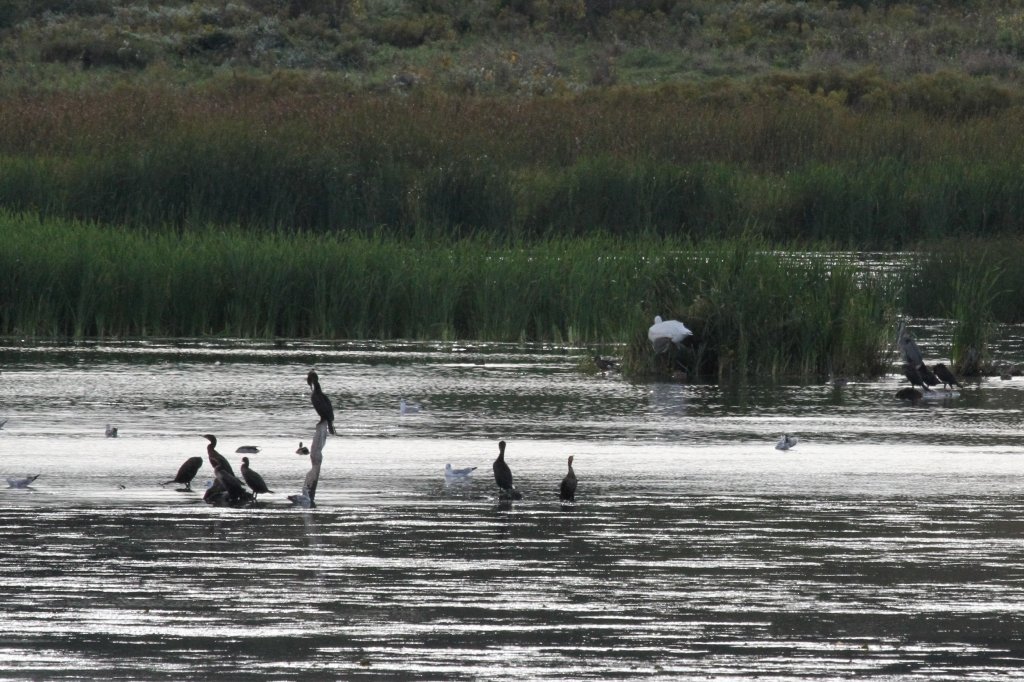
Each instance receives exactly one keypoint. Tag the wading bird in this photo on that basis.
(321, 403)
(253, 480)
(503, 475)
(567, 491)
(186, 472)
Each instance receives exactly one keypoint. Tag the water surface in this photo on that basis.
(887, 544)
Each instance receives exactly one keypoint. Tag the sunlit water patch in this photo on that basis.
(888, 543)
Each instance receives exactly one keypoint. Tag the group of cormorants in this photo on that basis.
(228, 489)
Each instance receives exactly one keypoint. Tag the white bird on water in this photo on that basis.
(663, 332)
(21, 482)
(451, 474)
(785, 443)
(407, 408)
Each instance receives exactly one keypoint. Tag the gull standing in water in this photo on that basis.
(321, 403)
(452, 475)
(785, 443)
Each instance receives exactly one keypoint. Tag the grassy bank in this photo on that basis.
(791, 166)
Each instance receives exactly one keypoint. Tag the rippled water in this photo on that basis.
(889, 543)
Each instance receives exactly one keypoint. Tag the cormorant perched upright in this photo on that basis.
(236, 491)
(253, 480)
(187, 472)
(303, 450)
(216, 459)
(945, 376)
(568, 489)
(503, 475)
(321, 403)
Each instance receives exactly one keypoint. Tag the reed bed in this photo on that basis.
(623, 162)
(757, 314)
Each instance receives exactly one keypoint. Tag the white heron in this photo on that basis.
(663, 332)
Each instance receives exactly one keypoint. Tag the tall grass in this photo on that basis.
(624, 162)
(760, 314)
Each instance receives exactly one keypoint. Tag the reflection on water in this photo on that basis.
(886, 544)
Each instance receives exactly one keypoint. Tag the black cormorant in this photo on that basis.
(253, 480)
(568, 489)
(321, 403)
(914, 377)
(303, 450)
(186, 472)
(503, 475)
(927, 376)
(945, 376)
(236, 491)
(216, 459)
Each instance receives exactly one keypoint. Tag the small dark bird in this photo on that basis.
(911, 394)
(186, 472)
(503, 475)
(914, 377)
(568, 489)
(945, 376)
(605, 364)
(247, 450)
(303, 450)
(321, 403)
(111, 431)
(927, 376)
(253, 480)
(216, 459)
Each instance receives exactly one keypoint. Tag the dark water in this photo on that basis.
(888, 544)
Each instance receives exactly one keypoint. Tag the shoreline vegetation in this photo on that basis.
(759, 312)
(536, 170)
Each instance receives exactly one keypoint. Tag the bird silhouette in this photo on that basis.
(253, 480)
(567, 491)
(186, 472)
(302, 450)
(216, 459)
(321, 403)
(945, 376)
(503, 475)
